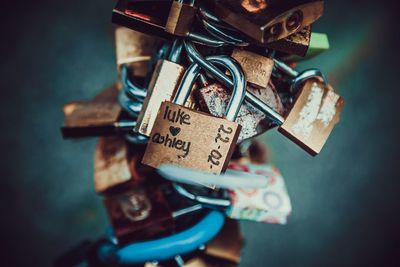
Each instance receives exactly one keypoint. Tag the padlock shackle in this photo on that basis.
(304, 76)
(176, 51)
(250, 98)
(239, 81)
(207, 201)
(133, 90)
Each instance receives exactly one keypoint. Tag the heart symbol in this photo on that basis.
(174, 130)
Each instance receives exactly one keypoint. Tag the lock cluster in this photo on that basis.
(177, 161)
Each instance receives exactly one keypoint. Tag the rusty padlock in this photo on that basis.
(192, 139)
(266, 22)
(214, 99)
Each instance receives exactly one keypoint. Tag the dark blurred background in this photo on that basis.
(344, 201)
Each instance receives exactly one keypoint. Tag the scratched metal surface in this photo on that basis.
(344, 200)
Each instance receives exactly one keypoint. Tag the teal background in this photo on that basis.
(345, 201)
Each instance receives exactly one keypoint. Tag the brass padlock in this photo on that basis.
(214, 99)
(97, 117)
(180, 18)
(134, 49)
(257, 68)
(165, 80)
(295, 44)
(148, 17)
(269, 22)
(192, 139)
(314, 114)
(111, 165)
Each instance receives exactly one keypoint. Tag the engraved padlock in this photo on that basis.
(180, 18)
(191, 139)
(256, 67)
(165, 80)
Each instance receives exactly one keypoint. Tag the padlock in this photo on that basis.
(134, 49)
(134, 213)
(180, 18)
(256, 67)
(314, 114)
(295, 44)
(140, 213)
(191, 139)
(308, 144)
(165, 80)
(214, 99)
(117, 164)
(270, 204)
(97, 117)
(319, 43)
(111, 165)
(267, 22)
(148, 17)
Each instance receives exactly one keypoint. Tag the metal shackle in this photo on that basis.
(306, 75)
(206, 201)
(239, 84)
(224, 79)
(299, 77)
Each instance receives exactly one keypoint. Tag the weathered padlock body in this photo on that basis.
(312, 118)
(214, 99)
(294, 44)
(191, 139)
(257, 68)
(180, 19)
(166, 78)
(111, 165)
(148, 17)
(92, 118)
(139, 214)
(267, 22)
(134, 49)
